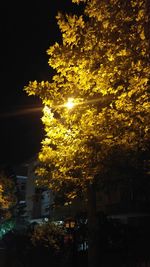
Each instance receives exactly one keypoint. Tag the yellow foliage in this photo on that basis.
(142, 35)
(103, 63)
(7, 195)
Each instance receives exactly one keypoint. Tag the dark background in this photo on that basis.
(27, 29)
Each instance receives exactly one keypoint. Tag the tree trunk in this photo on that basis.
(92, 228)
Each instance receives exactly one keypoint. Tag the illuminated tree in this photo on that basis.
(102, 65)
(7, 195)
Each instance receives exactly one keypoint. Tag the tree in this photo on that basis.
(7, 195)
(48, 235)
(102, 65)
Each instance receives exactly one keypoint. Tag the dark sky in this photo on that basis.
(27, 29)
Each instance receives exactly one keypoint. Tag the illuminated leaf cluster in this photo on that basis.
(7, 193)
(48, 235)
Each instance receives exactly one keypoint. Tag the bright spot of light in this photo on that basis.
(70, 103)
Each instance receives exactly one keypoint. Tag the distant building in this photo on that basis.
(21, 188)
(121, 198)
(37, 201)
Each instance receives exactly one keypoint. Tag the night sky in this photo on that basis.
(27, 29)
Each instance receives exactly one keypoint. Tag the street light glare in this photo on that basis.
(70, 103)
